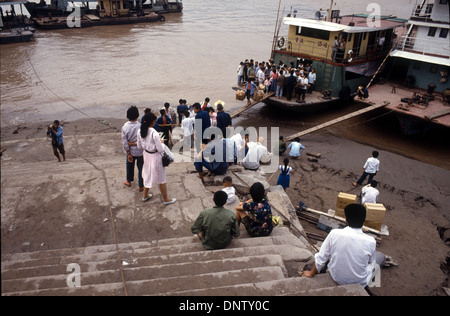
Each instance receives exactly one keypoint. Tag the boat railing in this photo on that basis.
(422, 10)
(423, 46)
(322, 50)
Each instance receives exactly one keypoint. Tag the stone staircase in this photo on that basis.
(176, 266)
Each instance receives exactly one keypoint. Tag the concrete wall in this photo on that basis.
(440, 12)
(424, 75)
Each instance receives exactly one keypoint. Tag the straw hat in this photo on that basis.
(219, 102)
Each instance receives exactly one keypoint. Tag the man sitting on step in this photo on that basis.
(348, 253)
(216, 227)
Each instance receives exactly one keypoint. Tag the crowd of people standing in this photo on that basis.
(144, 142)
(283, 80)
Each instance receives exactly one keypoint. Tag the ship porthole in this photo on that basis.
(281, 42)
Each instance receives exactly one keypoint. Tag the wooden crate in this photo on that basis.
(375, 215)
(339, 212)
(343, 200)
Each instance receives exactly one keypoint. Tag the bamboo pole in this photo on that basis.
(341, 219)
(275, 33)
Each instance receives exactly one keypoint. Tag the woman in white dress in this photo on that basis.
(153, 171)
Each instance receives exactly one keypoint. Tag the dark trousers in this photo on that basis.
(219, 170)
(130, 170)
(364, 176)
(60, 148)
(166, 133)
(289, 92)
(301, 93)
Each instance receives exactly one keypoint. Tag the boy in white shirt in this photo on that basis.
(229, 189)
(187, 124)
(369, 193)
(371, 167)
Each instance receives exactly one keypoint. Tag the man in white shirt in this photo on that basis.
(231, 151)
(311, 80)
(348, 253)
(371, 167)
(240, 143)
(240, 73)
(229, 189)
(260, 75)
(369, 193)
(302, 82)
(256, 151)
(187, 124)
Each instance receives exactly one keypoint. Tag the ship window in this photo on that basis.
(443, 33)
(315, 33)
(432, 31)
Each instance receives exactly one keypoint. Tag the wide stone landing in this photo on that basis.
(175, 266)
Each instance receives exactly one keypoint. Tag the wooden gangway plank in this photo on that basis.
(437, 114)
(339, 119)
(246, 107)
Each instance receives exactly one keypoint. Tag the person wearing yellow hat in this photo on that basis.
(223, 119)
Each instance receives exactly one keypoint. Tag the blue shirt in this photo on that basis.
(160, 120)
(58, 135)
(181, 107)
(296, 149)
(223, 120)
(205, 120)
(218, 161)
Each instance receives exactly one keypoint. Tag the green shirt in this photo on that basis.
(218, 226)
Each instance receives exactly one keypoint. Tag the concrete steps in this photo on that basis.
(176, 266)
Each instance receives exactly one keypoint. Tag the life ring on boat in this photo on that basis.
(350, 56)
(281, 42)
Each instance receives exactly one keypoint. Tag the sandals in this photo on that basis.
(147, 198)
(128, 184)
(170, 202)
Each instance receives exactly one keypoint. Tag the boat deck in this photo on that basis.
(436, 111)
(59, 22)
(313, 102)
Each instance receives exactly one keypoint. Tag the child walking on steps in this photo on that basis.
(284, 178)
